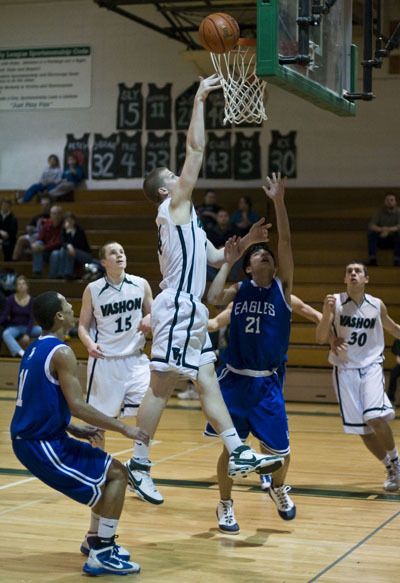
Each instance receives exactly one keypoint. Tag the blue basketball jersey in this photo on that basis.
(259, 328)
(41, 410)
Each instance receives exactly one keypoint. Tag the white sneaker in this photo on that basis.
(91, 540)
(244, 460)
(140, 482)
(226, 517)
(392, 482)
(265, 481)
(189, 393)
(284, 504)
(106, 561)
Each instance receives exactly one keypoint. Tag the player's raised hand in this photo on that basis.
(135, 433)
(259, 232)
(339, 346)
(329, 305)
(274, 187)
(231, 250)
(207, 85)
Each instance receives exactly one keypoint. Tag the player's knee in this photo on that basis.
(376, 422)
(117, 472)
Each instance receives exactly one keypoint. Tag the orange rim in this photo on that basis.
(247, 42)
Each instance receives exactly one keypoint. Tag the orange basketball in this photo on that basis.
(219, 32)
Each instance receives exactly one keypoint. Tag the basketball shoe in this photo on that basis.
(226, 517)
(244, 460)
(284, 504)
(392, 482)
(140, 482)
(105, 561)
(90, 541)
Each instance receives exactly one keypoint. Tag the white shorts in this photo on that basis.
(361, 396)
(116, 386)
(180, 339)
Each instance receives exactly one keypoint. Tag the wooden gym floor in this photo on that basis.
(347, 528)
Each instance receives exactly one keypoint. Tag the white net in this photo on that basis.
(244, 92)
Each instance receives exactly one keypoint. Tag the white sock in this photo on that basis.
(386, 461)
(94, 522)
(393, 454)
(231, 439)
(107, 527)
(140, 451)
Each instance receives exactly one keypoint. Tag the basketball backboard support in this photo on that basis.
(331, 70)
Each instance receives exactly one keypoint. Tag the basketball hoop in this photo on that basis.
(244, 92)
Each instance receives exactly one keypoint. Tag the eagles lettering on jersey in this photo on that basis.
(259, 328)
(360, 325)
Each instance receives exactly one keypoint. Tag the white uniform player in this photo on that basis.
(116, 384)
(358, 374)
(115, 316)
(358, 320)
(179, 318)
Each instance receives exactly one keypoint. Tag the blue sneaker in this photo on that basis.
(284, 504)
(90, 541)
(226, 517)
(265, 481)
(105, 561)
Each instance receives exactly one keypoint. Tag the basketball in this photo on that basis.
(219, 32)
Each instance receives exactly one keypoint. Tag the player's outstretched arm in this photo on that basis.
(221, 320)
(64, 366)
(195, 143)
(217, 293)
(85, 319)
(389, 324)
(275, 190)
(305, 310)
(324, 327)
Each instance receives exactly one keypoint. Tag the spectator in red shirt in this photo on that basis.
(49, 239)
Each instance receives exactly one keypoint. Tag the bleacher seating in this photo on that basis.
(328, 227)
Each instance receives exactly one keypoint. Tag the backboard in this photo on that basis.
(328, 45)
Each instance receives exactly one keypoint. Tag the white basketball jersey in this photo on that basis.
(361, 327)
(182, 253)
(117, 312)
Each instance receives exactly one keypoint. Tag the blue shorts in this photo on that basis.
(68, 465)
(256, 406)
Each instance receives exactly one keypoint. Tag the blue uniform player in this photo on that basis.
(48, 393)
(259, 337)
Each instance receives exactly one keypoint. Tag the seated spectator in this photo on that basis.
(384, 229)
(51, 176)
(207, 212)
(71, 177)
(394, 373)
(49, 239)
(17, 319)
(8, 229)
(219, 233)
(243, 217)
(23, 247)
(74, 252)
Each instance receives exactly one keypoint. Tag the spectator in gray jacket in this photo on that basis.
(383, 231)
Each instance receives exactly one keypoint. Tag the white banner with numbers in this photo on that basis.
(45, 78)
